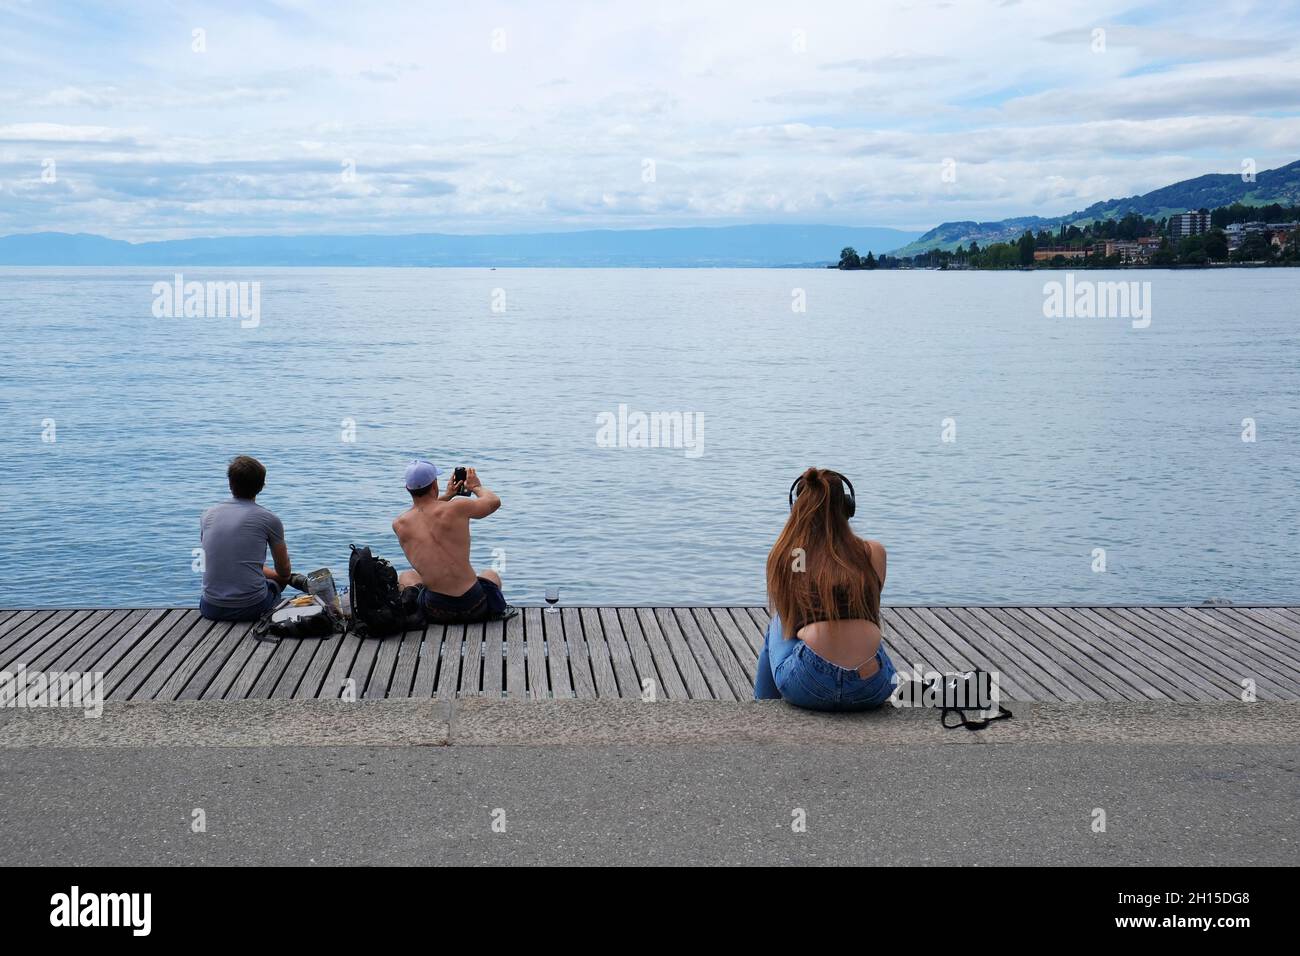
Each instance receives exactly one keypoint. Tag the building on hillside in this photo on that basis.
(1051, 252)
(1132, 250)
(1238, 232)
(1190, 223)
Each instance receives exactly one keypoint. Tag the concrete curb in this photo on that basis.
(543, 723)
(244, 723)
(480, 723)
(472, 722)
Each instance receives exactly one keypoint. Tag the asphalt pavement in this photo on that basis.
(511, 786)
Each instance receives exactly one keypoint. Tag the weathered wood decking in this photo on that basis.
(1193, 653)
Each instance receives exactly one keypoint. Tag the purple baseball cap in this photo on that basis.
(420, 474)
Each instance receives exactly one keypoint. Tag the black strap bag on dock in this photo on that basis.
(962, 693)
(376, 598)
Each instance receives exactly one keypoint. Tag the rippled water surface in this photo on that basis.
(1071, 434)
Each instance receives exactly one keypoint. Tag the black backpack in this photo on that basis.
(376, 598)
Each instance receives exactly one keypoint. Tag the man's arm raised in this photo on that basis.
(485, 500)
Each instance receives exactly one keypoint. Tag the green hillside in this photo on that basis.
(1281, 185)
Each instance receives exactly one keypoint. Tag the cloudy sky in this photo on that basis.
(297, 117)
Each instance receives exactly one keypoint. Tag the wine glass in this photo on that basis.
(552, 598)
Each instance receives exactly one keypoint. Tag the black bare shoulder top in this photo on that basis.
(843, 608)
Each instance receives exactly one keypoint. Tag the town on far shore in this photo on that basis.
(1236, 235)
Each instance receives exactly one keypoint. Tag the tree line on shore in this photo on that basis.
(1197, 250)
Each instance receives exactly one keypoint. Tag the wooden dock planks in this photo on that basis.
(1048, 653)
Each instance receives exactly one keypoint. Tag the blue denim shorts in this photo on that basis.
(805, 679)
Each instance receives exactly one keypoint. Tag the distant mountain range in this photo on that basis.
(757, 246)
(695, 246)
(1281, 185)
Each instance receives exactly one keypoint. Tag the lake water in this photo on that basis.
(1071, 435)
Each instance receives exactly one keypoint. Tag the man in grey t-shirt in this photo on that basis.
(235, 535)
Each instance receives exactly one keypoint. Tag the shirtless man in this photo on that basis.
(434, 535)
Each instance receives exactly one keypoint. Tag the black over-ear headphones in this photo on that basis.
(849, 497)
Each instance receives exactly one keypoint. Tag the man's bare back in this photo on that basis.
(434, 535)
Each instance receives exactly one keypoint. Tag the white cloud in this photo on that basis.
(59, 133)
(743, 122)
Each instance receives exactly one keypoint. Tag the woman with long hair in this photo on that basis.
(824, 649)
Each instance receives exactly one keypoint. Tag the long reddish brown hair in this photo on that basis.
(836, 564)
